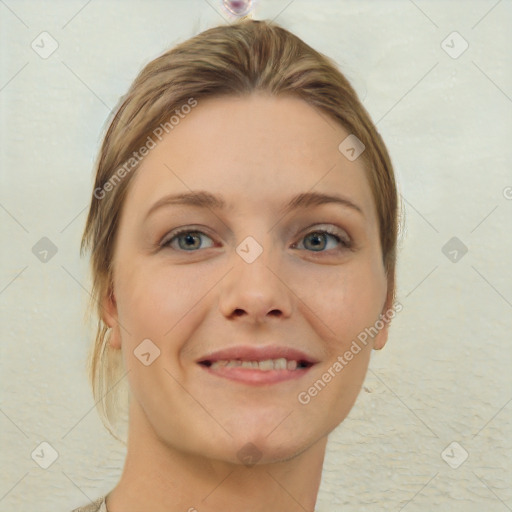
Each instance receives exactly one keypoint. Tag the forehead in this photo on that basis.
(253, 150)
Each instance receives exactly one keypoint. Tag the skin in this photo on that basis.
(185, 425)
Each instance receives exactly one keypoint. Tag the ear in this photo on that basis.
(109, 317)
(382, 336)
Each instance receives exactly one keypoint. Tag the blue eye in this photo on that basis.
(191, 240)
(317, 241)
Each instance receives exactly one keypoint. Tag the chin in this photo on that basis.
(266, 447)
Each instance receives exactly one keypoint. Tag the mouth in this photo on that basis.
(265, 366)
(258, 366)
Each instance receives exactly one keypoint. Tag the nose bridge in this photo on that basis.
(254, 289)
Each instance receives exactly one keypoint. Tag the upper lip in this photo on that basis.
(261, 353)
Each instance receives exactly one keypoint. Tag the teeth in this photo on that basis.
(280, 364)
(291, 365)
(267, 365)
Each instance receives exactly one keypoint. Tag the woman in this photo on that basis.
(243, 232)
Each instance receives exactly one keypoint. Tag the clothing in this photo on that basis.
(96, 506)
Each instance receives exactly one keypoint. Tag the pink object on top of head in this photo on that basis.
(238, 7)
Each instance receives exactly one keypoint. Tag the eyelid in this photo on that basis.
(327, 228)
(179, 231)
(344, 241)
(331, 229)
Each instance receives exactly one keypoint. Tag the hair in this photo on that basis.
(229, 60)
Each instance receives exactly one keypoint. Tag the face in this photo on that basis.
(249, 273)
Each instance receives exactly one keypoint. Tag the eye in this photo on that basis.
(317, 241)
(188, 240)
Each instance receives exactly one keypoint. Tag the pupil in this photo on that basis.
(317, 238)
(189, 240)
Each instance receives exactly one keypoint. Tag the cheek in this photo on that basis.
(155, 300)
(346, 301)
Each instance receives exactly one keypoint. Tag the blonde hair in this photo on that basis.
(233, 60)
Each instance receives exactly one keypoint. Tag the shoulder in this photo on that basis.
(96, 506)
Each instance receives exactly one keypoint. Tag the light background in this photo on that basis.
(445, 375)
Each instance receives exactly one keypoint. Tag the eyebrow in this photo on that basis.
(205, 199)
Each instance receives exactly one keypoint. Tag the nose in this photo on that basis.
(255, 293)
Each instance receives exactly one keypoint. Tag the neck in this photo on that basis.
(161, 478)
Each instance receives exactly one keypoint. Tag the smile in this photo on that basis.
(265, 366)
(258, 365)
(268, 371)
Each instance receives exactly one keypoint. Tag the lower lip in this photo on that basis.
(256, 377)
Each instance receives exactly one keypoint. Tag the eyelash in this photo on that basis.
(345, 244)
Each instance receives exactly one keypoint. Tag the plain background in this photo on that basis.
(445, 375)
